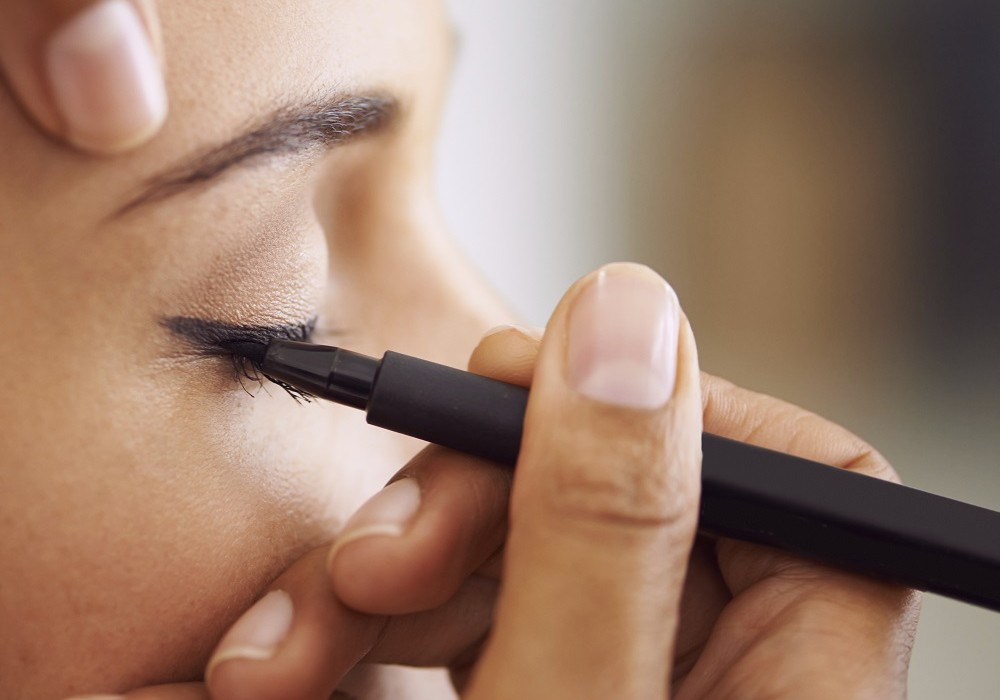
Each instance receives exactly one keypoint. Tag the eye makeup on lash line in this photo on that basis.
(243, 344)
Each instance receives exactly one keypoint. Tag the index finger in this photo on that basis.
(86, 71)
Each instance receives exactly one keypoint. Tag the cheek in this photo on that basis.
(148, 501)
(151, 501)
(144, 522)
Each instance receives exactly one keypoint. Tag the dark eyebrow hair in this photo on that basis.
(290, 130)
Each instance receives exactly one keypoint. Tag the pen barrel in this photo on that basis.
(448, 407)
(841, 518)
(851, 521)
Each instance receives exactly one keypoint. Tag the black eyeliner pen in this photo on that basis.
(832, 515)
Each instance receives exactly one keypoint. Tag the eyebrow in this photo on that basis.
(315, 125)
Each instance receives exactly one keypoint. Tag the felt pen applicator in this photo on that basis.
(749, 493)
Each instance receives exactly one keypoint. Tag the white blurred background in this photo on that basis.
(819, 180)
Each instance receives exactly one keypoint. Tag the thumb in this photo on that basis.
(87, 71)
(605, 499)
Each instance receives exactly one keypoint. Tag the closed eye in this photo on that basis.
(243, 344)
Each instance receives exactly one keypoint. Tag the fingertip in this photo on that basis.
(371, 572)
(367, 573)
(386, 515)
(87, 73)
(257, 635)
(361, 533)
(297, 641)
(461, 524)
(613, 429)
(604, 507)
(397, 575)
(622, 339)
(507, 353)
(105, 78)
(363, 556)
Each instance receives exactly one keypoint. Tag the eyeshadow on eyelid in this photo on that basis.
(271, 263)
(213, 337)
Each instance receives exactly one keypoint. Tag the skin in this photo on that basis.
(26, 33)
(120, 444)
(149, 500)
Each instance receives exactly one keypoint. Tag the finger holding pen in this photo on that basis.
(602, 522)
(605, 499)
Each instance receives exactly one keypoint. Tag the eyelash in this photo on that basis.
(218, 339)
(250, 368)
(246, 368)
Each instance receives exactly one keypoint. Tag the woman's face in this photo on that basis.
(146, 498)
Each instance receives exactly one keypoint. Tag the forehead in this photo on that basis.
(228, 60)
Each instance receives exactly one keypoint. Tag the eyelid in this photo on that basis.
(213, 337)
(221, 339)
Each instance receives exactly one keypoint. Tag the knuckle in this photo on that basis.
(851, 452)
(641, 482)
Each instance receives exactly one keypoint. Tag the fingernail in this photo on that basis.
(105, 78)
(385, 513)
(623, 332)
(258, 633)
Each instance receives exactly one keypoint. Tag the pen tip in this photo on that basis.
(254, 352)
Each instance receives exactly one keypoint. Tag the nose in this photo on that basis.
(407, 283)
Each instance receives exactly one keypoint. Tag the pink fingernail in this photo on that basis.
(258, 633)
(386, 513)
(623, 332)
(105, 78)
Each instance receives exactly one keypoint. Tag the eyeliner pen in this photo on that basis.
(845, 519)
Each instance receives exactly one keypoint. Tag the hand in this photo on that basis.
(602, 518)
(86, 71)
(592, 603)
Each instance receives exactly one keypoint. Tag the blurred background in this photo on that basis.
(819, 180)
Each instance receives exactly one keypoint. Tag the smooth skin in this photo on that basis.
(149, 502)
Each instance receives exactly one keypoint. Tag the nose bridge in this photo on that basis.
(400, 283)
(443, 301)
(404, 282)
